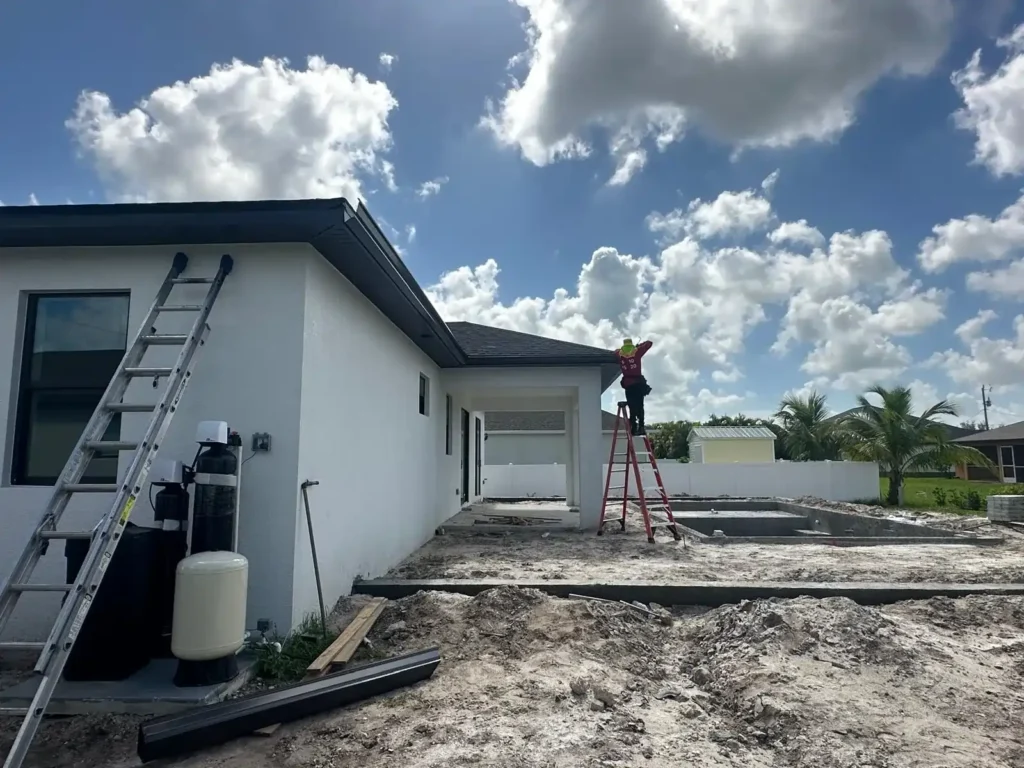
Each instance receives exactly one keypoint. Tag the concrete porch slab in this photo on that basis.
(150, 691)
(711, 594)
(515, 516)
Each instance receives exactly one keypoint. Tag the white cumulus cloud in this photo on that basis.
(846, 306)
(994, 107)
(243, 131)
(431, 187)
(749, 73)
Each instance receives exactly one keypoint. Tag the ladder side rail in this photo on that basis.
(136, 474)
(608, 475)
(79, 459)
(625, 475)
(640, 490)
(662, 492)
(115, 519)
(54, 657)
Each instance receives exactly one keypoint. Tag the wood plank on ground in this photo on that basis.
(341, 651)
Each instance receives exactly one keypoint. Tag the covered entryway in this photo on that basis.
(576, 391)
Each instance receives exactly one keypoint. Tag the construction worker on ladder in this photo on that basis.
(633, 382)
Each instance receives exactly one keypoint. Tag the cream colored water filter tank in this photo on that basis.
(210, 591)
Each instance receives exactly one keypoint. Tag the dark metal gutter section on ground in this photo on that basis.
(208, 726)
(712, 594)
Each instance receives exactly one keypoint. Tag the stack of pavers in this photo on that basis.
(1006, 509)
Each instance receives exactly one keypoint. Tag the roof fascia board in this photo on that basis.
(414, 296)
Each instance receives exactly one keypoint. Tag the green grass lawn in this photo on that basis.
(948, 494)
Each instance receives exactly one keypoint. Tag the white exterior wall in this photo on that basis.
(248, 374)
(832, 480)
(534, 447)
(279, 359)
(385, 481)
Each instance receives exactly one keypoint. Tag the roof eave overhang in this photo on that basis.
(347, 238)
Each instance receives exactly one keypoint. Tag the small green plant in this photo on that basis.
(940, 496)
(298, 651)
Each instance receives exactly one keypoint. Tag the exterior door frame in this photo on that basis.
(465, 456)
(478, 458)
(1009, 474)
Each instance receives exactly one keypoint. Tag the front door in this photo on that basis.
(465, 456)
(478, 484)
(1006, 459)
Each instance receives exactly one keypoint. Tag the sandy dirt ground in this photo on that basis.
(527, 680)
(619, 557)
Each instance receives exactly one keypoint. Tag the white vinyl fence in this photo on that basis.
(832, 480)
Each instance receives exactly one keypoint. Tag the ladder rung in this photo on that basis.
(40, 587)
(22, 646)
(131, 407)
(165, 339)
(91, 488)
(191, 280)
(180, 308)
(13, 710)
(156, 372)
(65, 534)
(111, 445)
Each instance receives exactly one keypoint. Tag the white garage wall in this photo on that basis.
(832, 480)
(248, 375)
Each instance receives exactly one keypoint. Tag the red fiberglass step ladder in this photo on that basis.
(659, 505)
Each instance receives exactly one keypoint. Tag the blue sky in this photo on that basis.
(858, 144)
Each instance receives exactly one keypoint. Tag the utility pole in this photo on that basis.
(986, 403)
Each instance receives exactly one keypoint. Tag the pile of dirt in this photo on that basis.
(530, 680)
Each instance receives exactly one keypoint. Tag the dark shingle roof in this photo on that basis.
(1011, 433)
(485, 345)
(535, 421)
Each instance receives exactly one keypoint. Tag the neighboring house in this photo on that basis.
(535, 437)
(1004, 446)
(321, 337)
(728, 445)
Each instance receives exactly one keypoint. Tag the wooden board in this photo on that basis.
(345, 644)
(341, 650)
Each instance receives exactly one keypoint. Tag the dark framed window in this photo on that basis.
(448, 425)
(73, 345)
(424, 395)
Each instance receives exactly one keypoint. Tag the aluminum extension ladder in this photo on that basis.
(630, 461)
(105, 536)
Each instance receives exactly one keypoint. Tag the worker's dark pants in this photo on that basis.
(635, 394)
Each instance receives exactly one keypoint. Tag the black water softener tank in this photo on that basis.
(170, 510)
(213, 512)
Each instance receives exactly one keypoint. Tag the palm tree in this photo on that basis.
(900, 442)
(807, 432)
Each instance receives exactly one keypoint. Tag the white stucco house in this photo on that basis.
(535, 437)
(321, 337)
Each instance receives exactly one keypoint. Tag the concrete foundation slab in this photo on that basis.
(711, 594)
(775, 521)
(150, 691)
(511, 516)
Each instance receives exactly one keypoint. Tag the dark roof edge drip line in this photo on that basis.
(400, 277)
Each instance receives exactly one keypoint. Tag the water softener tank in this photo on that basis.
(216, 481)
(170, 510)
(209, 617)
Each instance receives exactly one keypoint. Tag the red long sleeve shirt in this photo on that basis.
(631, 365)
